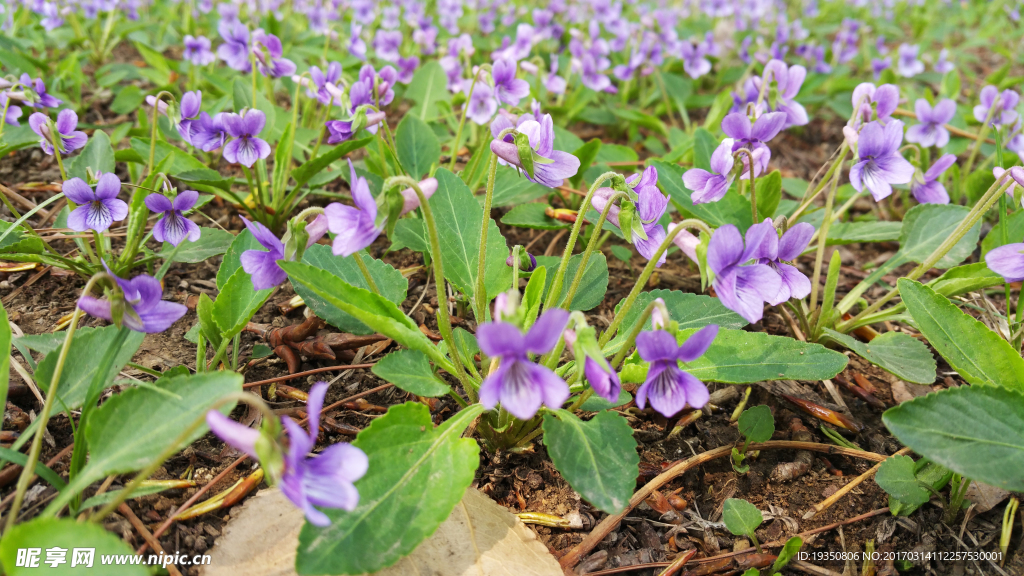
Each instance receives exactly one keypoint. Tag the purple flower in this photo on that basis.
(775, 252)
(907, 63)
(246, 148)
(519, 384)
(269, 60)
(190, 103)
(1017, 173)
(208, 133)
(742, 287)
(262, 266)
(650, 207)
(602, 378)
(13, 112)
(931, 130)
(173, 227)
(507, 88)
(39, 98)
(789, 81)
(694, 62)
(685, 241)
(68, 139)
(552, 81)
(555, 165)
(668, 387)
(386, 43)
(96, 210)
(326, 480)
(235, 49)
(482, 105)
(880, 164)
(321, 81)
(942, 65)
(407, 68)
(342, 130)
(870, 100)
(925, 187)
(197, 50)
(1007, 261)
(753, 136)
(879, 65)
(144, 311)
(712, 186)
(378, 85)
(592, 76)
(1005, 114)
(51, 16)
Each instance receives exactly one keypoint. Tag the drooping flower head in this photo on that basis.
(139, 306)
(98, 209)
(518, 383)
(323, 82)
(537, 157)
(742, 285)
(326, 480)
(190, 103)
(598, 371)
(926, 187)
(261, 265)
(36, 95)
(68, 139)
(173, 227)
(645, 231)
(712, 186)
(247, 147)
(669, 388)
(880, 164)
(13, 112)
(1007, 261)
(932, 131)
(269, 55)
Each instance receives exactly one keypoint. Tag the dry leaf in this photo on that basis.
(905, 391)
(984, 496)
(480, 538)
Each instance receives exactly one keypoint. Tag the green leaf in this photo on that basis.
(458, 217)
(19, 241)
(390, 282)
(768, 192)
(592, 287)
(41, 469)
(895, 352)
(853, 232)
(156, 416)
(241, 95)
(417, 474)
(232, 261)
(976, 352)
(741, 517)
(757, 424)
(738, 357)
(586, 154)
(926, 226)
(418, 148)
(98, 154)
(719, 108)
(951, 84)
(511, 188)
(596, 403)
(128, 100)
(959, 280)
(1014, 224)
(303, 173)
(789, 551)
(409, 233)
(704, 145)
(5, 355)
(410, 371)
(236, 304)
(69, 535)
(532, 216)
(731, 209)
(896, 476)
(207, 325)
(429, 86)
(976, 431)
(212, 242)
(375, 311)
(689, 310)
(533, 295)
(597, 457)
(83, 362)
(928, 473)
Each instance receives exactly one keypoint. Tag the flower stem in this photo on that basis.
(646, 274)
(810, 196)
(152, 133)
(753, 196)
(819, 257)
(462, 122)
(595, 239)
(982, 135)
(480, 298)
(366, 273)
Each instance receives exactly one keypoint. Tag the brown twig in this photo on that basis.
(827, 502)
(16, 470)
(601, 530)
(307, 373)
(146, 534)
(551, 246)
(952, 129)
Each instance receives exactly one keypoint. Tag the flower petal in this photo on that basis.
(697, 344)
(546, 331)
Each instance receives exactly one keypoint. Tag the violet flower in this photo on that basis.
(931, 130)
(879, 65)
(13, 112)
(881, 101)
(554, 83)
(52, 18)
(694, 62)
(507, 88)
(754, 136)
(321, 80)
(669, 388)
(246, 148)
(942, 64)
(262, 266)
(386, 43)
(789, 81)
(926, 187)
(554, 166)
(144, 310)
(598, 371)
(775, 252)
(741, 287)
(342, 130)
(712, 186)
(907, 63)
(39, 97)
(519, 384)
(326, 480)
(376, 85)
(190, 103)
(880, 164)
(96, 210)
(208, 133)
(235, 49)
(407, 68)
(1005, 114)
(1017, 173)
(650, 207)
(685, 241)
(68, 138)
(269, 60)
(592, 77)
(173, 227)
(197, 50)
(481, 105)
(1007, 261)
